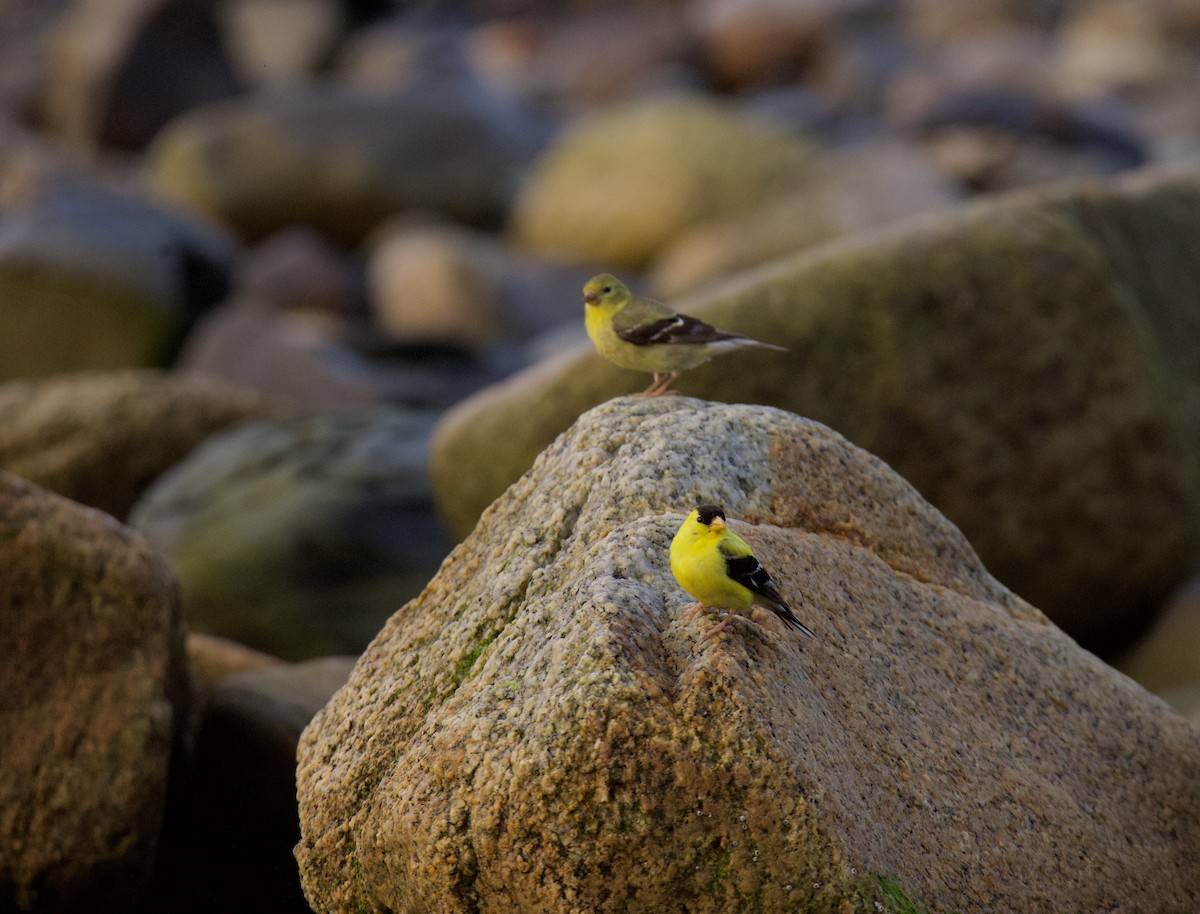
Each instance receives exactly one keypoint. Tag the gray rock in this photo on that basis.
(340, 160)
(95, 694)
(300, 537)
(298, 270)
(591, 60)
(316, 360)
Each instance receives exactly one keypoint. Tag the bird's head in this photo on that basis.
(605, 291)
(711, 516)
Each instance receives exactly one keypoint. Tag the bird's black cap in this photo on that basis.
(709, 513)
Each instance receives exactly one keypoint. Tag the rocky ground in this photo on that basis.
(289, 292)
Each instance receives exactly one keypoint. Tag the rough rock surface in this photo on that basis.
(101, 437)
(1027, 363)
(538, 731)
(95, 684)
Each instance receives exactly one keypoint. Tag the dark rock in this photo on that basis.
(300, 537)
(339, 160)
(323, 361)
(229, 841)
(95, 279)
(123, 70)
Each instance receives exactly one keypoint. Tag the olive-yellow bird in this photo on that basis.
(648, 336)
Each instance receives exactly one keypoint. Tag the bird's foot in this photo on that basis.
(718, 628)
(691, 610)
(661, 383)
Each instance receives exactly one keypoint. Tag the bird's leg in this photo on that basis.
(661, 383)
(719, 627)
(652, 390)
(694, 608)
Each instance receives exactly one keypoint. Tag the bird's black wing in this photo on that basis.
(749, 572)
(678, 328)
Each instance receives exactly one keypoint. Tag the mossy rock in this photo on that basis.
(300, 536)
(56, 322)
(1028, 363)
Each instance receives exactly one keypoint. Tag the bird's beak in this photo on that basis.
(717, 524)
(589, 297)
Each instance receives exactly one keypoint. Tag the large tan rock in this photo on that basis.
(95, 690)
(539, 731)
(1028, 364)
(102, 437)
(862, 189)
(618, 186)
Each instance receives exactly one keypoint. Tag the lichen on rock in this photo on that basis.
(539, 731)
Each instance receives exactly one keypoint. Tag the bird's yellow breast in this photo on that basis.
(699, 567)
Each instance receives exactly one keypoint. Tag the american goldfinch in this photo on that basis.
(648, 336)
(717, 567)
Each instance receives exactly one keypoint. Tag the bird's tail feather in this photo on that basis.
(748, 343)
(785, 613)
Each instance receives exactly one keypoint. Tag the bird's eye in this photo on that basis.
(606, 290)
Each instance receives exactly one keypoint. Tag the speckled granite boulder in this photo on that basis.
(95, 688)
(102, 437)
(539, 731)
(620, 185)
(1028, 363)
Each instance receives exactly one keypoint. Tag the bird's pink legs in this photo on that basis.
(660, 385)
(719, 627)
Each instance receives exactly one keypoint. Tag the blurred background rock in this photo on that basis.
(341, 219)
